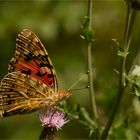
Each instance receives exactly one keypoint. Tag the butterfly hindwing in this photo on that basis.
(20, 93)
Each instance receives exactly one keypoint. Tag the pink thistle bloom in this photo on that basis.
(53, 118)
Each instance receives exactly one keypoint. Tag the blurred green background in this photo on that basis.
(58, 25)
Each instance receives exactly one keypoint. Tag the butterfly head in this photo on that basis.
(63, 94)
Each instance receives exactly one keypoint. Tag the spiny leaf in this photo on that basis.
(116, 41)
(86, 33)
(122, 53)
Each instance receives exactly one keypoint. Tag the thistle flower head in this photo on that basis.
(53, 118)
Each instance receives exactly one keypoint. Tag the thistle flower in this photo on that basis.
(52, 119)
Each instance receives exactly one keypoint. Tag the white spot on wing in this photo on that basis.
(42, 53)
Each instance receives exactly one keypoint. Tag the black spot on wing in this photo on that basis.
(42, 65)
(28, 72)
(28, 57)
(9, 102)
(46, 65)
(39, 74)
(50, 75)
(10, 90)
(49, 66)
(43, 57)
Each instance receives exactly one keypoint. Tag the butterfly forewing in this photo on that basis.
(31, 58)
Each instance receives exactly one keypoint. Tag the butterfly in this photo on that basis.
(31, 82)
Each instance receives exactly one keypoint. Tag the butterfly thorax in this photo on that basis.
(63, 94)
(53, 98)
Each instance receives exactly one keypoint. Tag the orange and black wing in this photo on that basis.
(31, 58)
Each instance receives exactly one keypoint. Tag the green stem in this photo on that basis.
(126, 23)
(90, 74)
(131, 14)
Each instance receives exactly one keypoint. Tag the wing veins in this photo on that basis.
(13, 81)
(37, 58)
(27, 40)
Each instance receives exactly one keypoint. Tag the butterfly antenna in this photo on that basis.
(79, 88)
(75, 83)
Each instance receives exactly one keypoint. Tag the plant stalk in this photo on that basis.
(131, 14)
(90, 74)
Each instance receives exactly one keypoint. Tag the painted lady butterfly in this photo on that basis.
(31, 82)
